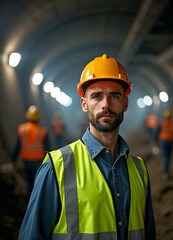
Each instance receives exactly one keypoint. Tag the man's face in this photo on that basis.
(105, 104)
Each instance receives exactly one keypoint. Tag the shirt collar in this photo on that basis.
(95, 147)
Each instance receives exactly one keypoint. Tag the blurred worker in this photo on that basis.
(31, 144)
(93, 188)
(58, 129)
(151, 124)
(164, 135)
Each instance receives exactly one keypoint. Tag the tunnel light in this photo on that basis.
(61, 97)
(68, 102)
(37, 78)
(140, 103)
(14, 59)
(156, 100)
(55, 92)
(147, 100)
(48, 87)
(163, 96)
(64, 99)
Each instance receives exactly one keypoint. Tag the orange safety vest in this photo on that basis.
(166, 130)
(151, 121)
(32, 137)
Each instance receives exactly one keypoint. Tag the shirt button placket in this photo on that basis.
(118, 194)
(120, 223)
(118, 203)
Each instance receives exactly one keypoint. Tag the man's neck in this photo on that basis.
(108, 139)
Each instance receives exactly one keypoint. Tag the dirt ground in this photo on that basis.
(13, 200)
(162, 191)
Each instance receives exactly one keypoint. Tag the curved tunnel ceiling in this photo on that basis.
(58, 38)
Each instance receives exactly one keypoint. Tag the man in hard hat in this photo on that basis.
(93, 188)
(164, 136)
(30, 146)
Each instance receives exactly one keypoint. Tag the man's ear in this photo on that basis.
(83, 104)
(126, 103)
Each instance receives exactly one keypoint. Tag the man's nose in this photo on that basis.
(105, 103)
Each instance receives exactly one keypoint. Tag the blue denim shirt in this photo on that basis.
(44, 207)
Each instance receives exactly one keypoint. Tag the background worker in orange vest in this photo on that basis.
(31, 143)
(151, 124)
(164, 135)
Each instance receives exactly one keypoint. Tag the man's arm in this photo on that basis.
(41, 214)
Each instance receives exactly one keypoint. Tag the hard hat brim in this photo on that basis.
(82, 87)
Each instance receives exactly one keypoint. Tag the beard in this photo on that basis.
(106, 126)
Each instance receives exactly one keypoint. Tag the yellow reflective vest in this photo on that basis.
(87, 205)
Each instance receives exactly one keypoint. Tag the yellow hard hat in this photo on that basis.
(33, 114)
(100, 68)
(167, 114)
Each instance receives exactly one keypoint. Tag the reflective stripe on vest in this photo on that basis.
(69, 225)
(36, 146)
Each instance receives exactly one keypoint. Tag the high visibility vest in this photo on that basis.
(87, 204)
(166, 130)
(32, 138)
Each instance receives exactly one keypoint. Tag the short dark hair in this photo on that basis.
(87, 84)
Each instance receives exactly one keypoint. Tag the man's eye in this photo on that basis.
(97, 97)
(116, 96)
